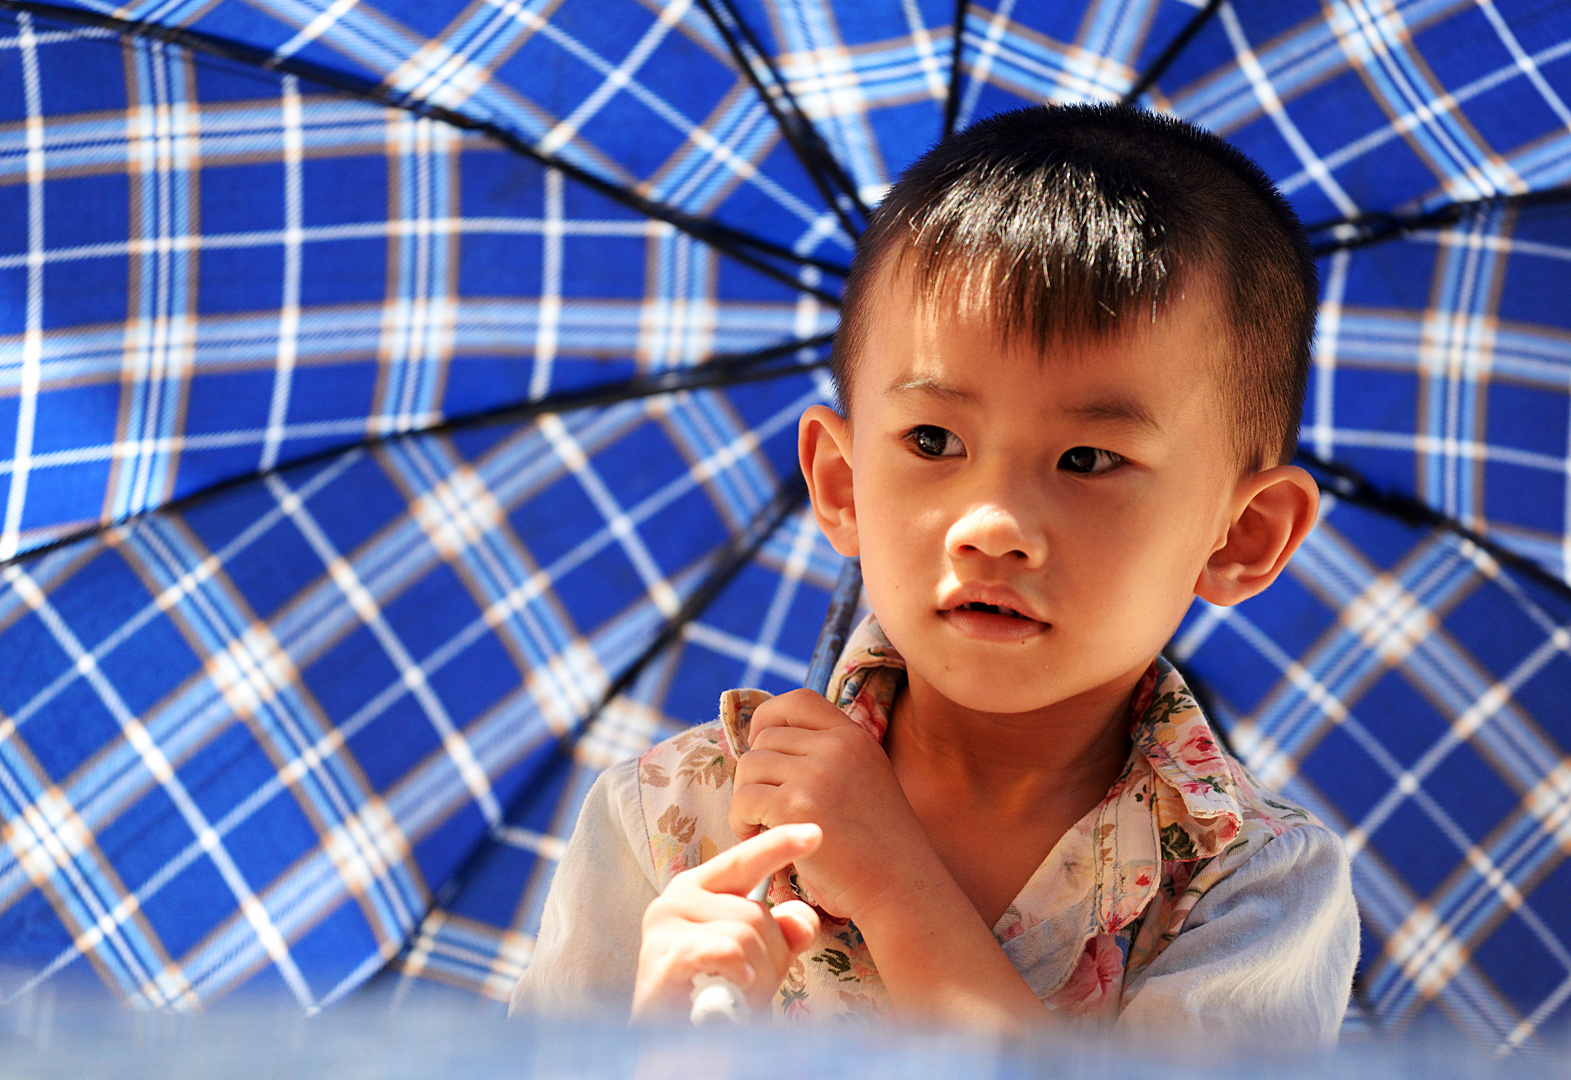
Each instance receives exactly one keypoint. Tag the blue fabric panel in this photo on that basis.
(760, 632)
(259, 736)
(296, 270)
(1425, 721)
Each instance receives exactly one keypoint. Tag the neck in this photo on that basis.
(1069, 752)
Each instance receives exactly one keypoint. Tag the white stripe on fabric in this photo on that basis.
(370, 613)
(1379, 42)
(160, 768)
(269, 238)
(260, 682)
(1525, 62)
(616, 79)
(290, 641)
(626, 727)
(827, 85)
(699, 136)
(549, 847)
(162, 129)
(997, 26)
(1422, 115)
(1266, 95)
(616, 519)
(32, 342)
(58, 37)
(550, 286)
(378, 44)
(762, 656)
(419, 315)
(934, 70)
(167, 599)
(47, 838)
(759, 658)
(289, 309)
(314, 29)
(450, 70)
(1330, 324)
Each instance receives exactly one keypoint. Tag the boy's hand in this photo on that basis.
(703, 923)
(808, 761)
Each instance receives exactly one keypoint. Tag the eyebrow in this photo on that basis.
(1123, 410)
(1117, 409)
(927, 384)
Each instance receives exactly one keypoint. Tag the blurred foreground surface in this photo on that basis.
(56, 1036)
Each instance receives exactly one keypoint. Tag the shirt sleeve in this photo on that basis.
(586, 954)
(1267, 953)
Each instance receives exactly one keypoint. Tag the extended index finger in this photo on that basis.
(736, 870)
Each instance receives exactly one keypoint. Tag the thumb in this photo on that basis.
(798, 923)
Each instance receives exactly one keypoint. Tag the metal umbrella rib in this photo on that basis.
(837, 189)
(1362, 230)
(956, 45)
(1165, 58)
(716, 373)
(1347, 483)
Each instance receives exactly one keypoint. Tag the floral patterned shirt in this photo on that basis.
(1175, 846)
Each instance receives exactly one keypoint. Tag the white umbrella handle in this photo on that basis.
(716, 999)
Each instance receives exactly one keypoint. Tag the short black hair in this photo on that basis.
(1081, 219)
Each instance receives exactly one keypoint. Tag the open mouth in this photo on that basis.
(993, 609)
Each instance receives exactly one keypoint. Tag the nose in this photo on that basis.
(997, 529)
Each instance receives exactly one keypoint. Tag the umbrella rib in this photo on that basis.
(736, 554)
(795, 127)
(718, 373)
(1165, 58)
(1362, 230)
(952, 95)
(1350, 485)
(730, 241)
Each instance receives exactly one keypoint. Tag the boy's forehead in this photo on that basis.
(943, 342)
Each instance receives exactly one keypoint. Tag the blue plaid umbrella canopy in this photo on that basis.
(397, 403)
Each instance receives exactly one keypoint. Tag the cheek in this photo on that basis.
(1143, 550)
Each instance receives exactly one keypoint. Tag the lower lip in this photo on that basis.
(985, 626)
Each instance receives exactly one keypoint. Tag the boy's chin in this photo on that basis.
(1000, 692)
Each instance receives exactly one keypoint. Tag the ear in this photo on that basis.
(823, 446)
(1278, 508)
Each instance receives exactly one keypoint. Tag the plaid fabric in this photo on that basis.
(1443, 369)
(206, 270)
(478, 937)
(250, 741)
(232, 741)
(1404, 687)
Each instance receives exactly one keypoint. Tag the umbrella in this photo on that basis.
(400, 399)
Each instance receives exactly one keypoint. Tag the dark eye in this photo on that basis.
(1089, 461)
(929, 440)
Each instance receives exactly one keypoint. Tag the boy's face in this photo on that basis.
(1085, 490)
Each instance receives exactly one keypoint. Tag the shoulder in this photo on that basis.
(683, 788)
(1283, 856)
(697, 757)
(1273, 849)
(1266, 816)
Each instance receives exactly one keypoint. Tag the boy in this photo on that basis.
(1072, 356)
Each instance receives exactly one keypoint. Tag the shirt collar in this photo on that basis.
(1175, 801)
(1194, 786)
